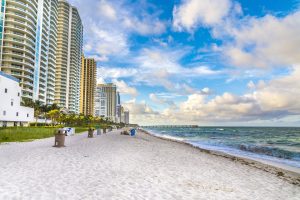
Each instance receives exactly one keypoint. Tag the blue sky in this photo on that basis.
(206, 62)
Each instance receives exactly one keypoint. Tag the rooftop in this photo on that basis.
(9, 76)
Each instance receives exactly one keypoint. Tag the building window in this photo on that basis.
(4, 112)
(17, 114)
(5, 90)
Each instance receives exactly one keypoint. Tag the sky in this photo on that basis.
(204, 62)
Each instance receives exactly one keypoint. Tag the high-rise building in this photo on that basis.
(44, 72)
(124, 115)
(118, 113)
(110, 92)
(100, 103)
(118, 100)
(27, 45)
(68, 57)
(118, 107)
(50, 92)
(88, 86)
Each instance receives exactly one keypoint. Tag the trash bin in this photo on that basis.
(90, 133)
(60, 138)
(132, 132)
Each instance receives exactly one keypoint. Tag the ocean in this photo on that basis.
(279, 145)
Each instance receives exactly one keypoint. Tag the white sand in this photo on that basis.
(121, 167)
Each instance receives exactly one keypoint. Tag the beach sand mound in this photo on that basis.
(115, 166)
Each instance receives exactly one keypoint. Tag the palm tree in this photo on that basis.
(54, 115)
(37, 110)
(27, 102)
(62, 118)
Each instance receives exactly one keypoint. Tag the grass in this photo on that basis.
(23, 134)
(80, 129)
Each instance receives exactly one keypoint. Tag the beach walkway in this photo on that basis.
(115, 166)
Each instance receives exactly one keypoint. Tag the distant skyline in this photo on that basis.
(208, 62)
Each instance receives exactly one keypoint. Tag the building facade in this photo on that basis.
(68, 57)
(11, 112)
(88, 86)
(27, 45)
(118, 107)
(126, 117)
(100, 103)
(110, 91)
(118, 113)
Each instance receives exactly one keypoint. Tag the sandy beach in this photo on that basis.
(114, 166)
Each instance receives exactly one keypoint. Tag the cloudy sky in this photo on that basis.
(206, 62)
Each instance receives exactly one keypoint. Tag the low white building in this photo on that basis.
(11, 111)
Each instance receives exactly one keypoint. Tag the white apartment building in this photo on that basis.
(28, 31)
(11, 112)
(110, 91)
(100, 103)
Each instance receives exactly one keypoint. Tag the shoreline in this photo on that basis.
(115, 166)
(287, 173)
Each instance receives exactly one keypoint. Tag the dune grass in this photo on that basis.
(23, 134)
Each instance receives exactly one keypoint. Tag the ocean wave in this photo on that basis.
(262, 143)
(270, 151)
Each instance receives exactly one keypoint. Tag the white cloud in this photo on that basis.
(160, 100)
(100, 80)
(264, 42)
(107, 10)
(108, 42)
(251, 85)
(192, 13)
(160, 67)
(251, 42)
(167, 62)
(281, 93)
(109, 24)
(146, 26)
(123, 88)
(268, 101)
(140, 112)
(116, 72)
(99, 58)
